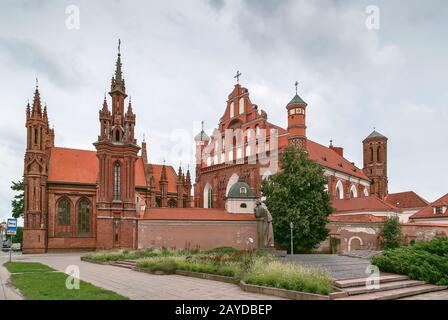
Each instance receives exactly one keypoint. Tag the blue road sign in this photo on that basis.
(11, 226)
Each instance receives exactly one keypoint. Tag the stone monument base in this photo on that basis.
(274, 252)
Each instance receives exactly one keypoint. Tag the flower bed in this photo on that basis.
(288, 276)
(257, 270)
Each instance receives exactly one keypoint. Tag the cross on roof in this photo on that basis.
(296, 85)
(237, 76)
(119, 45)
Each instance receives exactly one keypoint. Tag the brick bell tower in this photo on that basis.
(40, 138)
(117, 153)
(297, 121)
(375, 163)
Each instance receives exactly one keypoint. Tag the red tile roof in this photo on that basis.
(356, 218)
(171, 177)
(81, 166)
(406, 200)
(195, 214)
(361, 204)
(72, 165)
(428, 211)
(330, 159)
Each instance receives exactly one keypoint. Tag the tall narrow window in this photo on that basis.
(371, 154)
(117, 181)
(84, 216)
(378, 154)
(35, 136)
(64, 212)
(210, 198)
(241, 106)
(232, 110)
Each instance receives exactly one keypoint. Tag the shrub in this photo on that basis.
(164, 264)
(427, 261)
(391, 233)
(289, 276)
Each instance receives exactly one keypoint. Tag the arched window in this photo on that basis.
(339, 190)
(64, 212)
(208, 196)
(84, 216)
(353, 192)
(378, 153)
(232, 110)
(117, 181)
(366, 192)
(241, 106)
(172, 203)
(371, 154)
(35, 136)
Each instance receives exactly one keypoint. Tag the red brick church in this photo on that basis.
(253, 139)
(80, 199)
(112, 197)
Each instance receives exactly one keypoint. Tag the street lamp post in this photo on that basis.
(291, 225)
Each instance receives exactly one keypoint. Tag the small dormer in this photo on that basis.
(440, 209)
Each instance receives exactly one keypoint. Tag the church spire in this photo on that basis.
(118, 80)
(37, 107)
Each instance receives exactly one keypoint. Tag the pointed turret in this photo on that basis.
(118, 80)
(105, 108)
(28, 110)
(37, 107)
(163, 176)
(144, 153)
(188, 177)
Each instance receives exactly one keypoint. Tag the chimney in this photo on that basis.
(338, 150)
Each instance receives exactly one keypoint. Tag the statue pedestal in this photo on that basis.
(274, 252)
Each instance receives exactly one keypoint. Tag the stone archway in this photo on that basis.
(355, 243)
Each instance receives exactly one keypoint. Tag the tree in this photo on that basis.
(390, 235)
(297, 194)
(18, 202)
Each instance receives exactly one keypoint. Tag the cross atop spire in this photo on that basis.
(237, 76)
(296, 85)
(119, 46)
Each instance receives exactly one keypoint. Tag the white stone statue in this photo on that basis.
(267, 233)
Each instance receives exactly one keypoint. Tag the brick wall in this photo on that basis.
(197, 234)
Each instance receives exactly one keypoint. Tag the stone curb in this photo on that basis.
(208, 276)
(282, 293)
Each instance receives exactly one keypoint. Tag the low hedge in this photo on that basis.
(426, 261)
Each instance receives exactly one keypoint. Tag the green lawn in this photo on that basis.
(36, 281)
(22, 267)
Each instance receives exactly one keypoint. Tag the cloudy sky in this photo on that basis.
(179, 59)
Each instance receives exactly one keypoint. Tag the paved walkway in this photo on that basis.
(143, 286)
(340, 267)
(7, 291)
